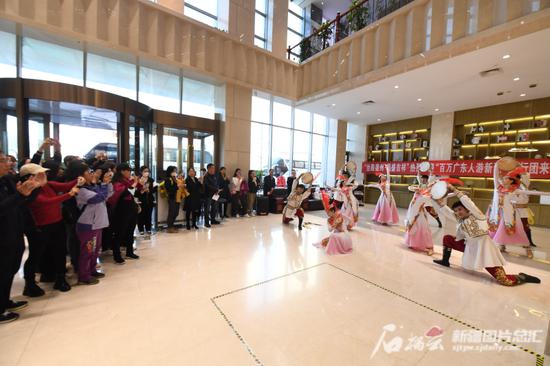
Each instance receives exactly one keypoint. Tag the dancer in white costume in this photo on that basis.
(350, 206)
(505, 224)
(473, 240)
(386, 210)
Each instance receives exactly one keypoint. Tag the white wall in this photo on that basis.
(356, 145)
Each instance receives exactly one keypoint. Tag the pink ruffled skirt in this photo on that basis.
(419, 236)
(338, 243)
(385, 211)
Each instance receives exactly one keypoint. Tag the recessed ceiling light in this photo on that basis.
(437, 109)
(506, 56)
(522, 94)
(516, 78)
(419, 100)
(334, 105)
(378, 119)
(396, 86)
(358, 113)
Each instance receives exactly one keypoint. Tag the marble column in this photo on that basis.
(277, 23)
(235, 131)
(441, 136)
(241, 20)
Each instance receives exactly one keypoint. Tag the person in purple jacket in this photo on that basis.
(91, 201)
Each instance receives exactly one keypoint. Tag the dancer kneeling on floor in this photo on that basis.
(294, 203)
(473, 239)
(338, 242)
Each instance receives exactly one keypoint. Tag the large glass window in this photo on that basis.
(204, 11)
(296, 29)
(260, 24)
(7, 56)
(259, 146)
(48, 61)
(302, 120)
(72, 122)
(318, 155)
(282, 114)
(301, 151)
(198, 99)
(8, 126)
(319, 124)
(111, 75)
(159, 89)
(284, 138)
(260, 109)
(281, 150)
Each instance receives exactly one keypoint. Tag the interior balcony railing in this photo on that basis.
(360, 14)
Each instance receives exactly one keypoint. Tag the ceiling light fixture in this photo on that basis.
(522, 94)
(506, 56)
(334, 105)
(358, 113)
(516, 78)
(396, 86)
(419, 100)
(378, 119)
(437, 109)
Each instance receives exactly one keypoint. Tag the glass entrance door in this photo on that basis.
(203, 149)
(175, 148)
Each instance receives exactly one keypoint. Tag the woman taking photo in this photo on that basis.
(50, 229)
(125, 212)
(146, 197)
(223, 183)
(91, 200)
(235, 189)
(192, 204)
(252, 191)
(171, 186)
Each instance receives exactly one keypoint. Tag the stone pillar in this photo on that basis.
(341, 142)
(175, 5)
(235, 131)
(277, 23)
(441, 136)
(356, 145)
(241, 20)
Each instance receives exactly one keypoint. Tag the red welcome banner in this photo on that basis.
(538, 168)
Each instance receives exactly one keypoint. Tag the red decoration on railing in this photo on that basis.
(537, 168)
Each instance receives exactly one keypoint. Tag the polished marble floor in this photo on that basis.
(254, 292)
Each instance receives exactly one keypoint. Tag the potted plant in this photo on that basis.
(325, 32)
(357, 16)
(305, 49)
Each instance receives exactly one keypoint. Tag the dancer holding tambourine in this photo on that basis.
(472, 237)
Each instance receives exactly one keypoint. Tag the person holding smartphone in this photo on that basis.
(146, 197)
(50, 228)
(14, 198)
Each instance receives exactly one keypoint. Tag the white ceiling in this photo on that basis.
(450, 85)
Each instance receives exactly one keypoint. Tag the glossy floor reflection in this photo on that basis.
(157, 311)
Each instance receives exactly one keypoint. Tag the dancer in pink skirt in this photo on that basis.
(386, 210)
(338, 242)
(418, 235)
(505, 225)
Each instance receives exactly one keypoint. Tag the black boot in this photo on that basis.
(523, 277)
(446, 255)
(61, 284)
(300, 222)
(188, 225)
(195, 221)
(32, 289)
(528, 232)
